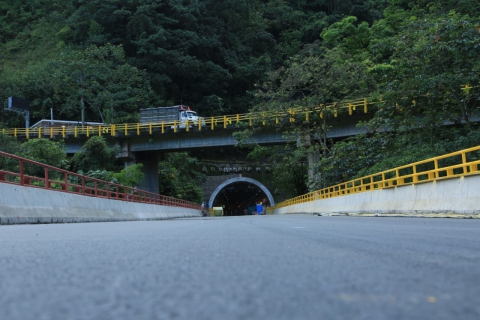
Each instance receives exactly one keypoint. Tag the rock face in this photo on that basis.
(212, 182)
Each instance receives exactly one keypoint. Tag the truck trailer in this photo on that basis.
(174, 115)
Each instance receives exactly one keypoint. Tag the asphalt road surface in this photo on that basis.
(252, 267)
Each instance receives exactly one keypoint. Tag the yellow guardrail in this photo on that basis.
(455, 164)
(345, 107)
(208, 123)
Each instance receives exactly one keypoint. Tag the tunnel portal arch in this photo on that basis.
(238, 180)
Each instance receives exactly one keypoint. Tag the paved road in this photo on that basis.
(256, 267)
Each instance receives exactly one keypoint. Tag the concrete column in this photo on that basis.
(150, 169)
(149, 159)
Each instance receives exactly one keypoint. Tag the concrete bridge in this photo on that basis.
(145, 143)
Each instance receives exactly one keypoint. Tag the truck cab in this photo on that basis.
(189, 115)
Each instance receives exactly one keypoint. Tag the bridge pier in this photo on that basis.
(149, 160)
(150, 169)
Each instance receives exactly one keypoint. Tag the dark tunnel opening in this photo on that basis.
(241, 198)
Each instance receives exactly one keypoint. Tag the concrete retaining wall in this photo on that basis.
(458, 196)
(30, 205)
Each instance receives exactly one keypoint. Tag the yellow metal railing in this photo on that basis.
(208, 123)
(455, 164)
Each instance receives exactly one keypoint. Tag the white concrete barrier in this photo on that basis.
(31, 205)
(456, 195)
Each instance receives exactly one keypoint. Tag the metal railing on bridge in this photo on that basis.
(452, 165)
(209, 123)
(24, 172)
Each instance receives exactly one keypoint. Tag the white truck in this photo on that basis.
(174, 115)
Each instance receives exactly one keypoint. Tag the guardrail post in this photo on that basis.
(434, 174)
(449, 172)
(150, 128)
(65, 178)
(138, 129)
(45, 170)
(464, 162)
(83, 185)
(399, 180)
(21, 172)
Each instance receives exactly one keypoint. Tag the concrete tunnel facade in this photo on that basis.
(240, 194)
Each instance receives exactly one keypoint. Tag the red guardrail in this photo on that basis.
(25, 172)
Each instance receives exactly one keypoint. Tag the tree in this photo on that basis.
(130, 176)
(179, 178)
(43, 151)
(95, 155)
(431, 79)
(308, 85)
(99, 78)
(289, 168)
(10, 145)
(353, 38)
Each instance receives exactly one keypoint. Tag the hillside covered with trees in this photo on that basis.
(420, 59)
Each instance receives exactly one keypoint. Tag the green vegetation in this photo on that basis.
(179, 178)
(44, 151)
(102, 61)
(95, 155)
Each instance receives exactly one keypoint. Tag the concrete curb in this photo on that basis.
(411, 215)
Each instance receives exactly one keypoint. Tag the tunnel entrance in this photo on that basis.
(239, 196)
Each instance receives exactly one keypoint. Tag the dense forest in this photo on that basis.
(420, 59)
